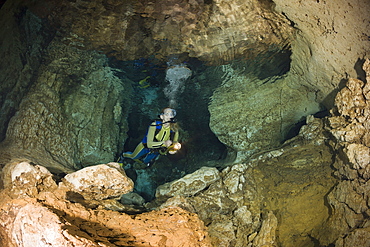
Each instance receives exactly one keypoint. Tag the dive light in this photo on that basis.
(174, 148)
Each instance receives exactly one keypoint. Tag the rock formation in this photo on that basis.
(330, 43)
(326, 49)
(286, 186)
(208, 30)
(36, 212)
(99, 182)
(292, 186)
(244, 120)
(62, 113)
(189, 184)
(349, 200)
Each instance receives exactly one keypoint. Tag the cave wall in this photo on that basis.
(331, 44)
(74, 113)
(250, 115)
(215, 34)
(213, 31)
(71, 110)
(62, 107)
(23, 36)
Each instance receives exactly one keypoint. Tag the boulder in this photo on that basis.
(99, 182)
(190, 184)
(132, 199)
(24, 179)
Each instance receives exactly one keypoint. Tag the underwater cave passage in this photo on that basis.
(200, 146)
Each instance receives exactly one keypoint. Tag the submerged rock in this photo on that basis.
(99, 182)
(24, 179)
(54, 217)
(190, 184)
(277, 199)
(249, 114)
(132, 199)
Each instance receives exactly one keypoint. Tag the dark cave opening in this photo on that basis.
(295, 128)
(2, 3)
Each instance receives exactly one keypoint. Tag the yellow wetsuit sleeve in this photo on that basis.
(150, 138)
(176, 137)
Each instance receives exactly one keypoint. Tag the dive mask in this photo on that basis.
(169, 113)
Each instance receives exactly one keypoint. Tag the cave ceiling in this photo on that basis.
(212, 31)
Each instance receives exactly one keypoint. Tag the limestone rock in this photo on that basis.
(55, 222)
(174, 227)
(99, 182)
(347, 192)
(178, 201)
(23, 42)
(295, 185)
(132, 199)
(267, 235)
(211, 31)
(249, 115)
(292, 180)
(349, 199)
(68, 119)
(26, 223)
(353, 105)
(190, 184)
(56, 216)
(313, 130)
(222, 231)
(359, 156)
(326, 49)
(58, 121)
(243, 215)
(212, 202)
(233, 181)
(24, 179)
(359, 237)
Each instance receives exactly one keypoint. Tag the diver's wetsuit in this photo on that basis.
(153, 142)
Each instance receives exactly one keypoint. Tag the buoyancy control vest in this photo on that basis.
(158, 127)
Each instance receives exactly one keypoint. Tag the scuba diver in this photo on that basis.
(161, 138)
